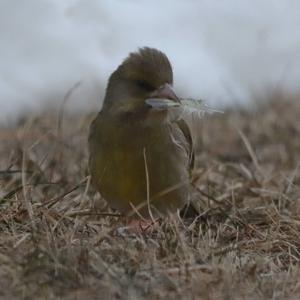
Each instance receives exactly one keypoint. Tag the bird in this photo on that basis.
(141, 158)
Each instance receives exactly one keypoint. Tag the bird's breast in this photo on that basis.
(129, 157)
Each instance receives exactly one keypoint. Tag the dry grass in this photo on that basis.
(54, 242)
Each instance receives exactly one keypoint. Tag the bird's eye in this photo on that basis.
(143, 84)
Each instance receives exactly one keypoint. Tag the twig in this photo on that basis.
(88, 212)
(51, 202)
(8, 172)
(250, 151)
(147, 186)
(28, 204)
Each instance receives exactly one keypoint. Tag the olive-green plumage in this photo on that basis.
(135, 149)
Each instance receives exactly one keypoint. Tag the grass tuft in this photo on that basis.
(59, 239)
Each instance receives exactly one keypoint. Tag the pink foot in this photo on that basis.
(140, 226)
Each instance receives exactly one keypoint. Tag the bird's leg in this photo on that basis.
(140, 225)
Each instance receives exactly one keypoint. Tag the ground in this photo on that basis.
(59, 239)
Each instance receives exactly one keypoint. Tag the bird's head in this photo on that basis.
(142, 75)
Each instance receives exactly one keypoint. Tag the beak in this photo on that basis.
(165, 91)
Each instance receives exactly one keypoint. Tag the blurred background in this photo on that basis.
(226, 52)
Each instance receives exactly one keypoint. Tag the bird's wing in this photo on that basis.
(185, 129)
(191, 126)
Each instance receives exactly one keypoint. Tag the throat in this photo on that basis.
(138, 112)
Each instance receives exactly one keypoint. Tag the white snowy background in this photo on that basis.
(223, 51)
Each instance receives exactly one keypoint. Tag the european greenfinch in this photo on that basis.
(141, 156)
